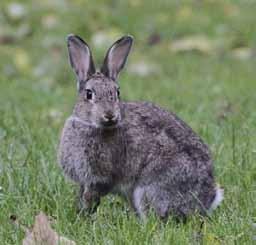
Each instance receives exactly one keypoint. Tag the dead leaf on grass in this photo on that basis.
(22, 60)
(142, 68)
(231, 10)
(7, 39)
(184, 12)
(198, 43)
(103, 39)
(16, 11)
(154, 39)
(242, 53)
(49, 21)
(42, 233)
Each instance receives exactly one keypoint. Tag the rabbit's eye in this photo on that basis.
(88, 94)
(118, 93)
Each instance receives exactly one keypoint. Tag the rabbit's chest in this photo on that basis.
(104, 153)
(99, 152)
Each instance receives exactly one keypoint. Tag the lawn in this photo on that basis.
(195, 58)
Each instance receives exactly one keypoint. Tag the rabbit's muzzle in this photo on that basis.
(109, 119)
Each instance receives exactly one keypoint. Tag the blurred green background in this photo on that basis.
(196, 58)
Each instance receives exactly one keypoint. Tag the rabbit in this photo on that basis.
(134, 149)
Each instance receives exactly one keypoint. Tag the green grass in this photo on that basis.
(214, 93)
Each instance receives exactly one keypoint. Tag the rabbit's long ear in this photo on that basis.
(116, 57)
(80, 57)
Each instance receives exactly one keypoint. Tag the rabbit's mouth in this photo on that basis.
(109, 123)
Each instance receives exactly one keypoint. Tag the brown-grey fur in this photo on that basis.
(146, 154)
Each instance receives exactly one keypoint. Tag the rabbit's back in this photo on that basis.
(160, 133)
(167, 153)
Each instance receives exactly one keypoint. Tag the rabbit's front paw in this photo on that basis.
(89, 200)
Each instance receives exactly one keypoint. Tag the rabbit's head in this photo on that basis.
(98, 92)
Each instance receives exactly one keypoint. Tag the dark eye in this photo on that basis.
(88, 94)
(118, 93)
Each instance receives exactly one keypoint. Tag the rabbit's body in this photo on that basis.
(150, 156)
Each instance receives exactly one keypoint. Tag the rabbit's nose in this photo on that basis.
(109, 116)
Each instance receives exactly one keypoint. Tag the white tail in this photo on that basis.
(218, 198)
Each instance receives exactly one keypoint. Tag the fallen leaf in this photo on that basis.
(185, 12)
(154, 38)
(142, 69)
(242, 53)
(22, 60)
(231, 10)
(103, 39)
(7, 39)
(16, 11)
(42, 233)
(198, 43)
(49, 21)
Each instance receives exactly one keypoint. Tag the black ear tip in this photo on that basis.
(128, 38)
(125, 39)
(70, 37)
(75, 39)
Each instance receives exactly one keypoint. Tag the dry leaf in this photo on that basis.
(192, 43)
(43, 234)
(16, 11)
(142, 69)
(22, 60)
(185, 12)
(49, 21)
(154, 38)
(231, 9)
(103, 39)
(242, 53)
(7, 39)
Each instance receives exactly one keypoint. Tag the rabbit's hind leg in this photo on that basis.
(139, 201)
(164, 202)
(159, 200)
(151, 197)
(89, 200)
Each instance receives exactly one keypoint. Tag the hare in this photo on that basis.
(135, 149)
